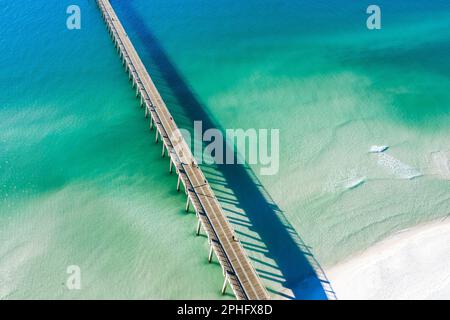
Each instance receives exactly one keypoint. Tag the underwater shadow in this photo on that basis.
(295, 266)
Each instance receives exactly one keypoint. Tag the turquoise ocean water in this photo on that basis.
(81, 182)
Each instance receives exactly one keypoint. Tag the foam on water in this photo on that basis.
(440, 161)
(397, 167)
(345, 181)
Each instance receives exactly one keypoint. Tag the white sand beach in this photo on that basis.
(412, 264)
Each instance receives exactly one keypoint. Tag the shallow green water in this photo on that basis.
(82, 183)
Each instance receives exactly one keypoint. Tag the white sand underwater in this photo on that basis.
(413, 264)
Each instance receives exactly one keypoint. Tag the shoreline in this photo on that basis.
(410, 264)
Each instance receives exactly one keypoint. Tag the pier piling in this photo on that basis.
(210, 256)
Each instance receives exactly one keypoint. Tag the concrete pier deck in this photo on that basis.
(237, 269)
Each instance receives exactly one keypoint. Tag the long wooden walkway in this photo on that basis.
(237, 269)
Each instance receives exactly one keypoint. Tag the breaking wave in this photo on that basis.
(397, 167)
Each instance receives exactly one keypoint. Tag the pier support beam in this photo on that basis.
(146, 112)
(151, 122)
(210, 256)
(163, 150)
(198, 227)
(171, 166)
(225, 283)
(178, 183)
(157, 137)
(187, 205)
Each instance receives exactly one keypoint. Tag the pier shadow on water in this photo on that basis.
(283, 261)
